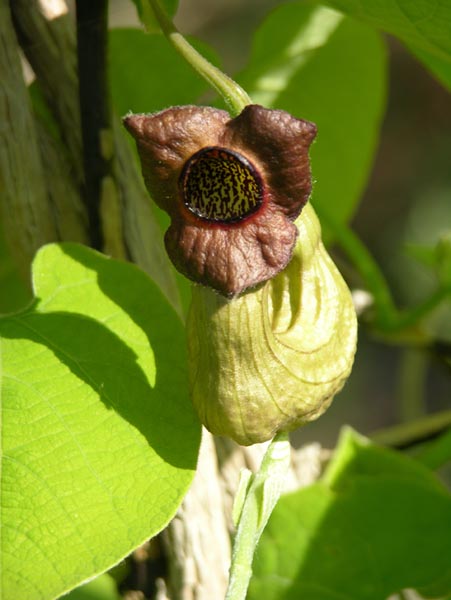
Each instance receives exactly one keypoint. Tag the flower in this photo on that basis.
(232, 187)
(274, 359)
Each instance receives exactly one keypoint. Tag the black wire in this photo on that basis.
(92, 37)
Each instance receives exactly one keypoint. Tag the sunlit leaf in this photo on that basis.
(99, 438)
(377, 523)
(101, 588)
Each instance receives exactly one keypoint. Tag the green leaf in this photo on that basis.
(99, 437)
(423, 254)
(148, 75)
(440, 67)
(356, 456)
(101, 588)
(377, 523)
(436, 453)
(146, 16)
(423, 25)
(437, 257)
(319, 65)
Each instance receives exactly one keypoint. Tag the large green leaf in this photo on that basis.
(102, 587)
(437, 452)
(99, 438)
(319, 65)
(423, 25)
(377, 523)
(148, 75)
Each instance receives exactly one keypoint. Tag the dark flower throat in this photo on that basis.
(220, 185)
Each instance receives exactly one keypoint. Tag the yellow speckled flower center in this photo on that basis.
(220, 185)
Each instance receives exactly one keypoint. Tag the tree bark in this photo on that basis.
(197, 540)
(25, 207)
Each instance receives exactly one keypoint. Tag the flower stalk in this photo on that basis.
(263, 492)
(233, 94)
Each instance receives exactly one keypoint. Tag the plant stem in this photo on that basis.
(263, 492)
(234, 95)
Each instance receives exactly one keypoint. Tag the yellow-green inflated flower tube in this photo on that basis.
(273, 359)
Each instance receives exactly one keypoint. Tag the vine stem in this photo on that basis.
(233, 94)
(254, 503)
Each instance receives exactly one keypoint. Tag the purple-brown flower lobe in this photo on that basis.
(232, 187)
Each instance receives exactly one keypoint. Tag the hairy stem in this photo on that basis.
(256, 504)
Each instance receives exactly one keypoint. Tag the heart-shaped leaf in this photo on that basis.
(377, 523)
(99, 438)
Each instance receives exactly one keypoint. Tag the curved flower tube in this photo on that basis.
(273, 359)
(232, 187)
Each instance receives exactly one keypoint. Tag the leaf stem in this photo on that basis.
(263, 492)
(234, 95)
